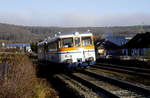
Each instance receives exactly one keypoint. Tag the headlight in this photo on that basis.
(90, 59)
(69, 61)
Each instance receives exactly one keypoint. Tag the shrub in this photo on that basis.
(20, 79)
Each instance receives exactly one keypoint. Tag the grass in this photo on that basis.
(43, 90)
(19, 79)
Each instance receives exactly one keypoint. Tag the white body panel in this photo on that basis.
(82, 54)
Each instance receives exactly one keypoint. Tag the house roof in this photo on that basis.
(106, 44)
(139, 41)
(118, 40)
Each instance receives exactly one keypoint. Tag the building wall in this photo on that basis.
(136, 52)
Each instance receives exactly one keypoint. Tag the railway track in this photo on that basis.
(72, 88)
(126, 67)
(128, 70)
(91, 84)
(110, 86)
(88, 85)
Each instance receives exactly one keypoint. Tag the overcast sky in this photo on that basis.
(75, 13)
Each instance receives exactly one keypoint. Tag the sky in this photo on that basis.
(75, 13)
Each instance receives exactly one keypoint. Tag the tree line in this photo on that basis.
(36, 33)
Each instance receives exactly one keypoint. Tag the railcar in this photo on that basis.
(73, 49)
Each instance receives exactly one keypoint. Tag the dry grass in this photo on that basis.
(43, 90)
(20, 79)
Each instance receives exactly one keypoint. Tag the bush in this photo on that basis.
(34, 47)
(20, 78)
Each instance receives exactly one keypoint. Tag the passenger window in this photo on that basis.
(52, 46)
(77, 41)
(86, 41)
(67, 42)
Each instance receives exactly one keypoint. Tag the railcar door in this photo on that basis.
(79, 54)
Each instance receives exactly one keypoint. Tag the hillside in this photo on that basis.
(32, 33)
(14, 33)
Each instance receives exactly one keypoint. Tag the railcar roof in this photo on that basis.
(74, 34)
(65, 35)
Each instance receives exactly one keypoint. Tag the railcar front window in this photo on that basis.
(67, 42)
(86, 41)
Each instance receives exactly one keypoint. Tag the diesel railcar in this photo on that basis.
(73, 49)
